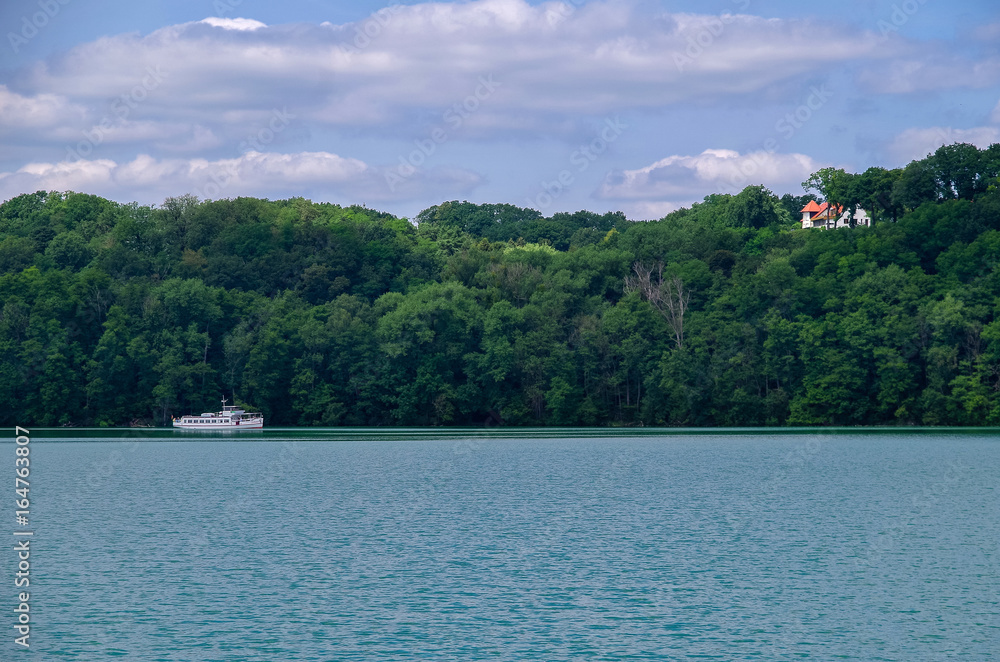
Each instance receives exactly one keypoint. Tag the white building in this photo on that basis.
(816, 215)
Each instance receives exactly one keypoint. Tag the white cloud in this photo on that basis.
(995, 116)
(989, 32)
(499, 70)
(321, 175)
(418, 60)
(651, 211)
(40, 111)
(933, 70)
(678, 178)
(79, 176)
(234, 23)
(198, 138)
(915, 143)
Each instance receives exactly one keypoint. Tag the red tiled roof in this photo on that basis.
(823, 210)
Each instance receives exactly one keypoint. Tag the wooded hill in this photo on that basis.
(724, 314)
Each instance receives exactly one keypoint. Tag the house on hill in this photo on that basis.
(825, 215)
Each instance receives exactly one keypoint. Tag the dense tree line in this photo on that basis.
(724, 313)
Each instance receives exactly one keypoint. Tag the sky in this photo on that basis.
(640, 106)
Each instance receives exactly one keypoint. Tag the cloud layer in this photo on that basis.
(311, 174)
(679, 179)
(338, 109)
(915, 143)
(411, 64)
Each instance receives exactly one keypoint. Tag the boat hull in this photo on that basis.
(243, 425)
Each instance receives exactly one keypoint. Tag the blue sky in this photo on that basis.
(639, 106)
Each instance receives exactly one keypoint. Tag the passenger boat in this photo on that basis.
(230, 418)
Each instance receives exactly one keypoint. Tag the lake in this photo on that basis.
(328, 544)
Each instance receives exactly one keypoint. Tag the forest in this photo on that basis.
(726, 313)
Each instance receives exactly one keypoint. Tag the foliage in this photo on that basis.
(723, 313)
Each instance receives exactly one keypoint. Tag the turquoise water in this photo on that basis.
(525, 545)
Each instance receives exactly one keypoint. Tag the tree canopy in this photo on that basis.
(721, 314)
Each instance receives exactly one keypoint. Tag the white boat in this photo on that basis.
(230, 418)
